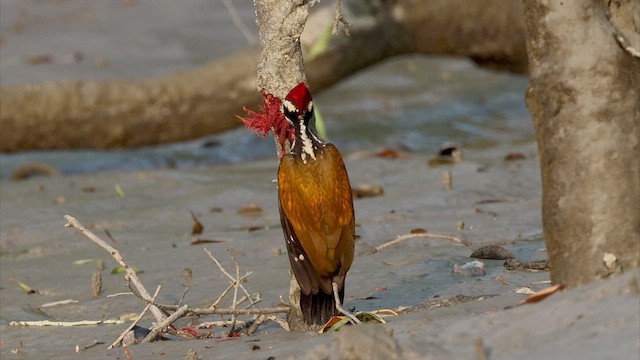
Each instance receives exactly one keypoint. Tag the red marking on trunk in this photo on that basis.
(269, 118)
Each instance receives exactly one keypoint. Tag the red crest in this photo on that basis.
(299, 96)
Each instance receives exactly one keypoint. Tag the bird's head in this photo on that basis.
(297, 108)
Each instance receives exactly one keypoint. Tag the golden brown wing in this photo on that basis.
(316, 201)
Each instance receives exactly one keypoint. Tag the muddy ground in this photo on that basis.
(498, 201)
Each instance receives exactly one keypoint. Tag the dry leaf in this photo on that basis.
(250, 209)
(390, 153)
(335, 320)
(24, 287)
(514, 156)
(197, 225)
(199, 241)
(543, 294)
(418, 231)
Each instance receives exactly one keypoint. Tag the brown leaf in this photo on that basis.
(197, 225)
(250, 209)
(38, 59)
(334, 320)
(390, 153)
(514, 156)
(418, 231)
(204, 241)
(543, 294)
(488, 201)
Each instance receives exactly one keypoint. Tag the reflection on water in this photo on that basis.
(413, 103)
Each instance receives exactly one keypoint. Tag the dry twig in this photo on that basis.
(144, 311)
(235, 295)
(339, 18)
(136, 287)
(405, 237)
(160, 326)
(131, 274)
(231, 278)
(64, 323)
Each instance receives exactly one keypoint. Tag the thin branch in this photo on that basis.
(256, 300)
(272, 310)
(261, 319)
(159, 310)
(224, 271)
(222, 295)
(131, 274)
(64, 323)
(253, 326)
(166, 322)
(186, 290)
(339, 18)
(135, 322)
(403, 238)
(120, 294)
(211, 324)
(235, 295)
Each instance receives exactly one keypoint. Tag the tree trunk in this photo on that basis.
(281, 68)
(203, 101)
(584, 98)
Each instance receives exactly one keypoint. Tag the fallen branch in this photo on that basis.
(160, 326)
(131, 274)
(210, 311)
(138, 289)
(224, 271)
(65, 323)
(135, 322)
(403, 238)
(236, 285)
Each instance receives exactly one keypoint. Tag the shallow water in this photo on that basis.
(409, 103)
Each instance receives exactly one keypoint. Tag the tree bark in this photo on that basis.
(583, 97)
(203, 101)
(281, 68)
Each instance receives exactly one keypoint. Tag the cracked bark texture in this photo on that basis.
(583, 97)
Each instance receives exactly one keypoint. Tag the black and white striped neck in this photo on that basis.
(306, 143)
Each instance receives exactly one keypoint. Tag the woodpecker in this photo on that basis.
(316, 212)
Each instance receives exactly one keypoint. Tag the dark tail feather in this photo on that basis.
(319, 308)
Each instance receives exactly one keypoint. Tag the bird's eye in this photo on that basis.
(288, 107)
(289, 111)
